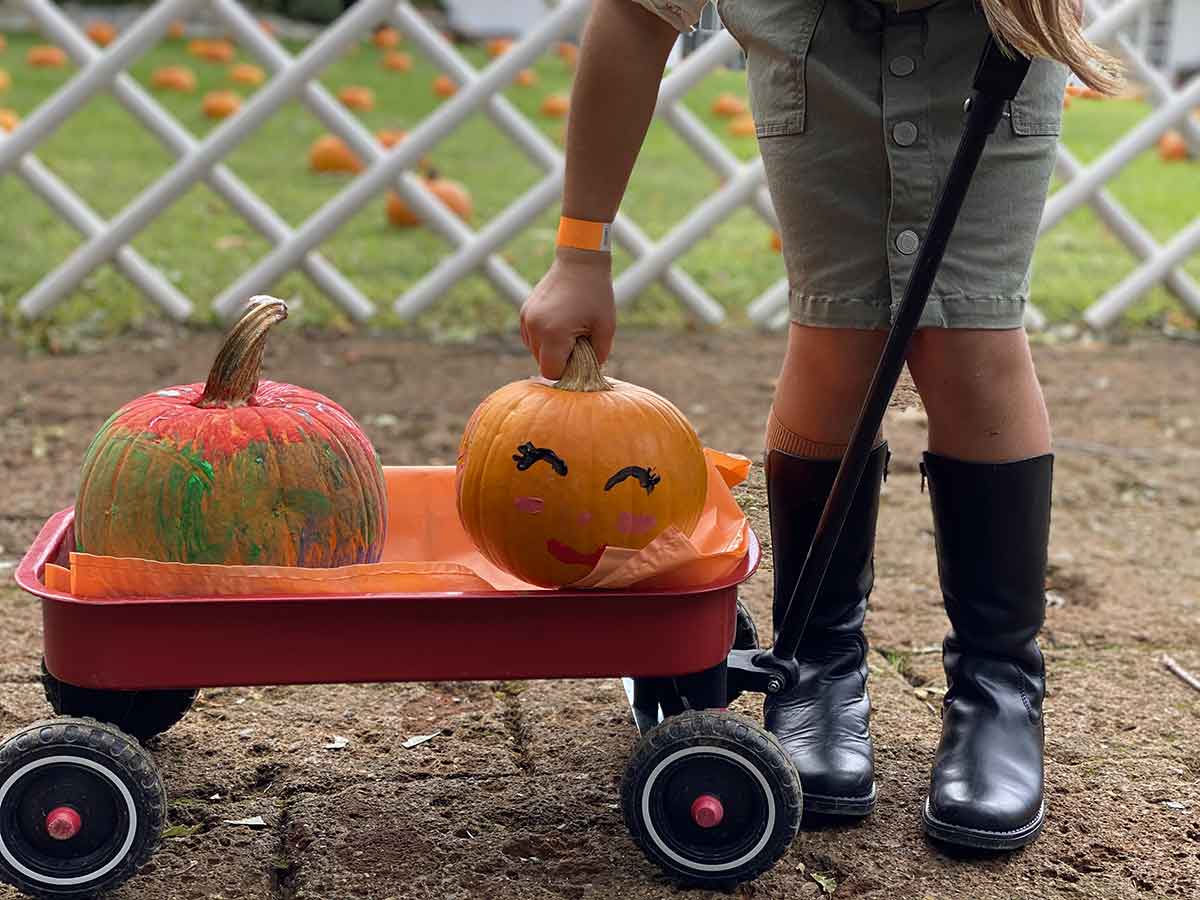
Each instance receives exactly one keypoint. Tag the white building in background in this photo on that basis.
(1168, 32)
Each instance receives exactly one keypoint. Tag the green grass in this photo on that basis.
(203, 245)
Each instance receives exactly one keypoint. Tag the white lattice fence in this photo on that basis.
(481, 92)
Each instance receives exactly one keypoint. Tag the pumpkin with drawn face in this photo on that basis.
(549, 475)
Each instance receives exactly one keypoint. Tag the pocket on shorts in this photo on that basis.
(776, 36)
(1037, 109)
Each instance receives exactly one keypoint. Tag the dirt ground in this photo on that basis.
(517, 795)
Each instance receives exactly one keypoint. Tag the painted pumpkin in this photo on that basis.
(9, 119)
(444, 86)
(234, 471)
(728, 105)
(555, 106)
(1172, 147)
(357, 97)
(742, 126)
(385, 38)
(453, 195)
(220, 104)
(397, 62)
(551, 475)
(330, 154)
(245, 73)
(174, 78)
(101, 33)
(44, 56)
(527, 78)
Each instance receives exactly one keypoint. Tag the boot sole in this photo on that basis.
(981, 839)
(840, 806)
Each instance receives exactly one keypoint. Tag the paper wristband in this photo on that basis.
(584, 235)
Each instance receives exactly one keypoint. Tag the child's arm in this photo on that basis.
(616, 86)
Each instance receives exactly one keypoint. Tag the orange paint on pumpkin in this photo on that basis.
(1172, 147)
(245, 73)
(612, 464)
(728, 105)
(444, 86)
(555, 106)
(174, 78)
(44, 56)
(220, 104)
(396, 61)
(453, 195)
(101, 33)
(357, 97)
(330, 154)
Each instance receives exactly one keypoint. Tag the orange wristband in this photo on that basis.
(584, 235)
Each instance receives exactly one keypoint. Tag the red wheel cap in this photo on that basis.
(63, 823)
(707, 811)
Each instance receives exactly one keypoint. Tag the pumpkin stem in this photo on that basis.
(583, 370)
(234, 375)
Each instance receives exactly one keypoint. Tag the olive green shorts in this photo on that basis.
(858, 110)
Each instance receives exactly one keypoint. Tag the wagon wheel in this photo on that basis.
(745, 635)
(81, 808)
(142, 714)
(711, 798)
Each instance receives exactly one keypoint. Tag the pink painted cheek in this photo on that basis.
(628, 523)
(531, 505)
(585, 518)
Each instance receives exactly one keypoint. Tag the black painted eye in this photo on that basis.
(645, 477)
(527, 455)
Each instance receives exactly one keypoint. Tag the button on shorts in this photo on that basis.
(858, 110)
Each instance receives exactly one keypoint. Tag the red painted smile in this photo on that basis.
(573, 557)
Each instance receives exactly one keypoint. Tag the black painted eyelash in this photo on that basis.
(645, 477)
(527, 455)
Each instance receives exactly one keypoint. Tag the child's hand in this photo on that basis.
(573, 300)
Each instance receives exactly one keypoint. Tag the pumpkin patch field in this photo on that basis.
(202, 245)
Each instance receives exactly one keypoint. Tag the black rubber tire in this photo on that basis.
(94, 744)
(142, 714)
(732, 739)
(745, 636)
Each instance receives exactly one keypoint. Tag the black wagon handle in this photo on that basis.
(997, 80)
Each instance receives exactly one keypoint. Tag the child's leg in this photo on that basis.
(822, 721)
(989, 474)
(981, 394)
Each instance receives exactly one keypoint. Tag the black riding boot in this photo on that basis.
(992, 523)
(823, 720)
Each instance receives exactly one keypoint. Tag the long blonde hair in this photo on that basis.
(1050, 29)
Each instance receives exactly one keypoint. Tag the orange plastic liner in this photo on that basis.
(428, 551)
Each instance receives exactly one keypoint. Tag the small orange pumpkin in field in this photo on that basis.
(330, 154)
(266, 27)
(357, 97)
(5, 81)
(728, 105)
(212, 51)
(385, 38)
(526, 78)
(742, 126)
(1172, 147)
(220, 104)
(453, 195)
(176, 30)
(444, 86)
(555, 106)
(101, 33)
(397, 62)
(44, 56)
(174, 78)
(569, 53)
(245, 73)
(776, 242)
(549, 476)
(498, 46)
(9, 120)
